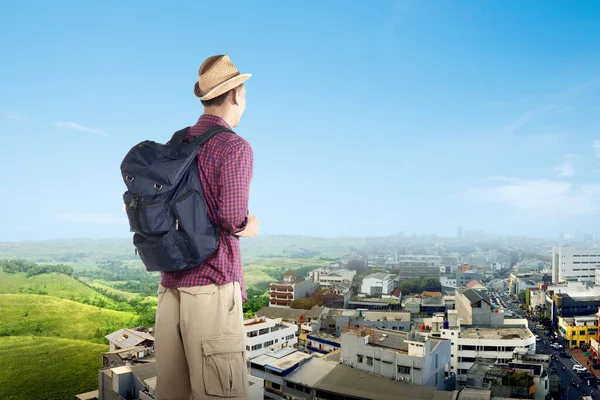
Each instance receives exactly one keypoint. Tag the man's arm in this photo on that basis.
(234, 180)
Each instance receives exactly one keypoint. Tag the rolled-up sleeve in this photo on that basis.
(235, 175)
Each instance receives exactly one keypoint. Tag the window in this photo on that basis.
(263, 331)
(268, 343)
(359, 358)
(582, 332)
(247, 348)
(369, 360)
(468, 347)
(257, 346)
(403, 370)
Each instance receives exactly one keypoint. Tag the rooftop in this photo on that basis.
(282, 359)
(501, 332)
(475, 295)
(312, 372)
(387, 315)
(377, 275)
(356, 384)
(128, 337)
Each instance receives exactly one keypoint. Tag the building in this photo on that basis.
(126, 356)
(264, 335)
(412, 304)
(337, 295)
(126, 338)
(138, 382)
(327, 276)
(273, 368)
(291, 288)
(474, 307)
(405, 356)
(322, 343)
(578, 331)
(413, 267)
(471, 343)
(379, 283)
(337, 320)
(570, 264)
(432, 302)
(464, 277)
(525, 381)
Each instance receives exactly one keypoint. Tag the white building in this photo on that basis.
(406, 356)
(264, 335)
(327, 277)
(570, 264)
(472, 343)
(282, 294)
(377, 283)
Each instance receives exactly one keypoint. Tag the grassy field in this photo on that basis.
(54, 284)
(37, 315)
(104, 285)
(55, 368)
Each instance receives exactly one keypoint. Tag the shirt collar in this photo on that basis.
(212, 120)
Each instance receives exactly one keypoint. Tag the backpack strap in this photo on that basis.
(208, 134)
(179, 136)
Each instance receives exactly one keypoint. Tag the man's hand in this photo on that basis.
(251, 229)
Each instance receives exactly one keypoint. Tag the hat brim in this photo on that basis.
(221, 88)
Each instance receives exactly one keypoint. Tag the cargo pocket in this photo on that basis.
(224, 367)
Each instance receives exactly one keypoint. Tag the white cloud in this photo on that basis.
(544, 198)
(74, 126)
(93, 218)
(13, 116)
(567, 168)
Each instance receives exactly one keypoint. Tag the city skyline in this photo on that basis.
(400, 116)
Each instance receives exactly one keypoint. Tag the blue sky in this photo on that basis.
(365, 118)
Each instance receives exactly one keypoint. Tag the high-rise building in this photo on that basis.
(573, 265)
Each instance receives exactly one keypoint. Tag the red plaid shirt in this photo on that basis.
(225, 165)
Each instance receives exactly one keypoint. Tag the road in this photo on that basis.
(567, 375)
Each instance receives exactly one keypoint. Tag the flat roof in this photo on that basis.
(282, 359)
(312, 372)
(500, 332)
(358, 384)
(403, 316)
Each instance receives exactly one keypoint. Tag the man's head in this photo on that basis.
(221, 89)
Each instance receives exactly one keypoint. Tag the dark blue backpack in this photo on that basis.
(165, 203)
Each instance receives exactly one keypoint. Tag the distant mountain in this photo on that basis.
(80, 250)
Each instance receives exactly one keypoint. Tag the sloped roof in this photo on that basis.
(128, 337)
(475, 295)
(290, 314)
(474, 283)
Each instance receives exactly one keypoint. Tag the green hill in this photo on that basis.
(48, 368)
(58, 285)
(38, 315)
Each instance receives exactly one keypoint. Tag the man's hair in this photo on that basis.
(219, 100)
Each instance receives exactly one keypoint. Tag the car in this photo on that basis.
(579, 368)
(537, 338)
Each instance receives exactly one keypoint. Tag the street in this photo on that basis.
(567, 376)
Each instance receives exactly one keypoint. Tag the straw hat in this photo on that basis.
(216, 76)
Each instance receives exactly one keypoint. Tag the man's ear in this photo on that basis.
(235, 97)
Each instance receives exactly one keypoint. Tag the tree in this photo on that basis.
(522, 296)
(304, 304)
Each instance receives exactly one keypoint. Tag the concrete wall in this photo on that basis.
(427, 370)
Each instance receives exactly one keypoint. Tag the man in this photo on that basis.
(199, 331)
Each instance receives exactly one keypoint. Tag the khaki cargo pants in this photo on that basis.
(200, 343)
